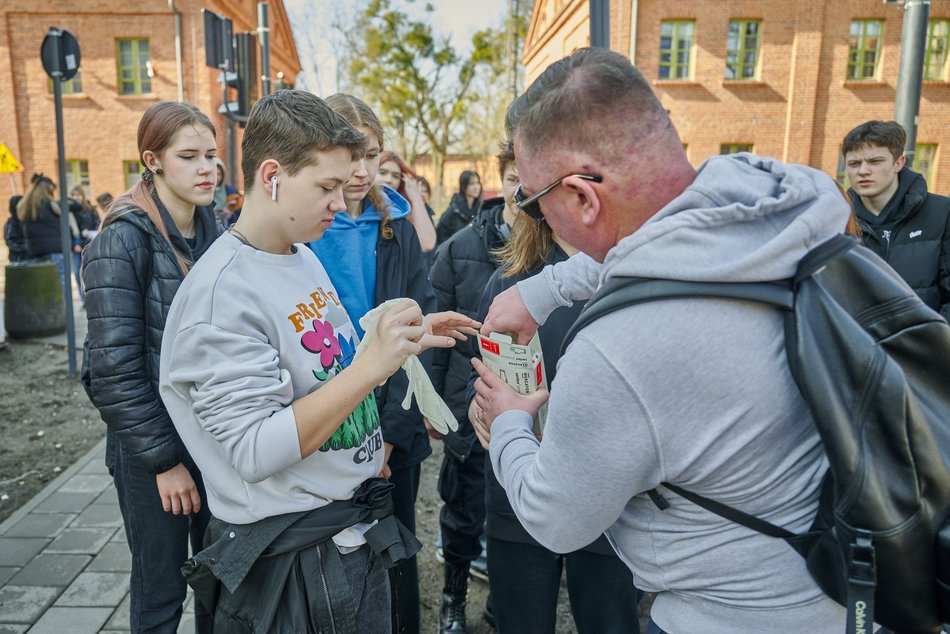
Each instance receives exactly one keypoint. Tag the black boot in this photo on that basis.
(452, 614)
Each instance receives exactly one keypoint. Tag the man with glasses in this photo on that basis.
(695, 392)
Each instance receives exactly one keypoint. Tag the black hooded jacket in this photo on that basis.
(456, 217)
(461, 270)
(912, 234)
(131, 276)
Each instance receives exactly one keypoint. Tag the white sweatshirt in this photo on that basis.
(249, 333)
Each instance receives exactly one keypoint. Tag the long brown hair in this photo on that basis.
(158, 125)
(531, 241)
(42, 188)
(385, 157)
(359, 114)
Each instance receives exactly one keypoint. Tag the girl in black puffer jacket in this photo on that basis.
(131, 271)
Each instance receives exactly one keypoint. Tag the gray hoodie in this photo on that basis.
(695, 392)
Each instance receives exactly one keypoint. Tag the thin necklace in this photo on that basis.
(243, 238)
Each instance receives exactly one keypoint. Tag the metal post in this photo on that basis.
(600, 23)
(263, 29)
(911, 71)
(66, 241)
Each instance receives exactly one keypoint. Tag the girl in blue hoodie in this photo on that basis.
(372, 255)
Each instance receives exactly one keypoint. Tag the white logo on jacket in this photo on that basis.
(916, 234)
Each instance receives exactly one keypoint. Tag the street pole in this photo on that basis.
(911, 71)
(263, 29)
(65, 239)
(600, 23)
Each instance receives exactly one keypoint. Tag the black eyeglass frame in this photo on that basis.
(530, 204)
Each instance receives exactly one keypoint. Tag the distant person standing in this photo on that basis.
(396, 173)
(38, 213)
(903, 223)
(87, 224)
(462, 208)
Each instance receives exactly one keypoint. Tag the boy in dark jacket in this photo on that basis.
(903, 223)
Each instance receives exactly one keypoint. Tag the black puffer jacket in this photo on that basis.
(43, 234)
(912, 234)
(502, 523)
(131, 276)
(456, 217)
(461, 270)
(401, 272)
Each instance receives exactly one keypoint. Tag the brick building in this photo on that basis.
(783, 79)
(128, 62)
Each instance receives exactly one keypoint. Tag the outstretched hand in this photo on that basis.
(442, 329)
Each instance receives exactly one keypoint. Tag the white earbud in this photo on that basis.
(273, 191)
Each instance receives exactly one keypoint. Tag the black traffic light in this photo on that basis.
(236, 57)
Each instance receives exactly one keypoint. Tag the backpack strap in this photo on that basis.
(731, 514)
(620, 292)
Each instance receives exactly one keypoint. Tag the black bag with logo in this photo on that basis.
(873, 363)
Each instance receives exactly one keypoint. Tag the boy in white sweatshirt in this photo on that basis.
(260, 376)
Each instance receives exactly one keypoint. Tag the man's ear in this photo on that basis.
(900, 162)
(266, 172)
(584, 198)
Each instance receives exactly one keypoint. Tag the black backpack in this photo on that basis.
(873, 363)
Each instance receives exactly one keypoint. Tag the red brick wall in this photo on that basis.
(100, 125)
(801, 107)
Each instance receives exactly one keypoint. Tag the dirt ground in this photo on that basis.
(47, 423)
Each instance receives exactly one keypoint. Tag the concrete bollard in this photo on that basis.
(33, 306)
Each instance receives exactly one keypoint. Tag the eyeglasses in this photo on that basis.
(530, 205)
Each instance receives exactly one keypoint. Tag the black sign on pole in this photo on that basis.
(60, 56)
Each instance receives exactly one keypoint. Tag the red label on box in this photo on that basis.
(491, 346)
(537, 375)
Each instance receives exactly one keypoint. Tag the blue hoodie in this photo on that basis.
(348, 253)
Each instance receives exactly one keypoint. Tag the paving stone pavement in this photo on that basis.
(64, 559)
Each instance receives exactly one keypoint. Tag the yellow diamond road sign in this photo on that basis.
(8, 162)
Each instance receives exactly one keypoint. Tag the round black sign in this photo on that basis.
(60, 54)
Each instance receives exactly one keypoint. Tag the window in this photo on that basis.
(133, 172)
(134, 67)
(71, 86)
(676, 49)
(935, 57)
(742, 49)
(865, 49)
(735, 148)
(77, 173)
(924, 160)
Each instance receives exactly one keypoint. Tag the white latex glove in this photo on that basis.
(430, 403)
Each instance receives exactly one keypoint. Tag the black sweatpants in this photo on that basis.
(462, 518)
(524, 581)
(404, 578)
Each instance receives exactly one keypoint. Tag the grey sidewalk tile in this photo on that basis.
(6, 572)
(79, 541)
(119, 537)
(109, 496)
(114, 557)
(25, 604)
(72, 620)
(40, 525)
(95, 466)
(18, 551)
(12, 628)
(102, 515)
(86, 484)
(96, 589)
(120, 618)
(51, 570)
(61, 502)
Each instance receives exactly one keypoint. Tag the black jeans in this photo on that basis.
(462, 518)
(159, 545)
(404, 578)
(524, 581)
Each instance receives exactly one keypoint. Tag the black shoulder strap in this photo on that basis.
(620, 292)
(731, 514)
